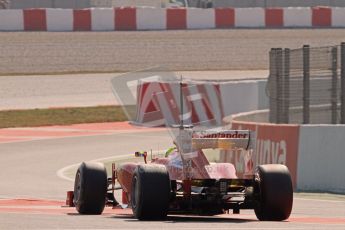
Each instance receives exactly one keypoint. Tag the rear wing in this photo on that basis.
(189, 141)
(226, 139)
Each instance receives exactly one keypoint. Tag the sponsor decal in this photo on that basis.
(229, 134)
(268, 151)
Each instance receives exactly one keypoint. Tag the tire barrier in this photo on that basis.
(149, 18)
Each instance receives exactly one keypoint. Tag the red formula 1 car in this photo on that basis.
(189, 181)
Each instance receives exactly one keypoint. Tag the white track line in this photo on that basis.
(61, 172)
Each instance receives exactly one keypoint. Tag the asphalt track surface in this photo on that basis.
(31, 193)
(238, 49)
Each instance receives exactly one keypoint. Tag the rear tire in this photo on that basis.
(275, 192)
(150, 193)
(90, 188)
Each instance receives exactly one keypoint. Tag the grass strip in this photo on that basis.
(61, 116)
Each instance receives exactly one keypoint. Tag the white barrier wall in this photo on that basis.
(321, 158)
(11, 20)
(102, 19)
(59, 20)
(250, 17)
(239, 96)
(243, 96)
(200, 18)
(297, 17)
(151, 18)
(338, 16)
(263, 100)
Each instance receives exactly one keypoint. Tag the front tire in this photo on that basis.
(150, 193)
(275, 192)
(90, 188)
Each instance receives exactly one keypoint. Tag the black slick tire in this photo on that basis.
(274, 192)
(90, 188)
(150, 193)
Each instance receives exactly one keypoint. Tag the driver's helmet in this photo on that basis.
(170, 150)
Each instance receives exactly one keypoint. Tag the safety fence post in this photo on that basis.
(279, 86)
(342, 99)
(334, 95)
(286, 98)
(271, 86)
(306, 84)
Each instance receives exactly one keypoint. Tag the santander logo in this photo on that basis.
(220, 134)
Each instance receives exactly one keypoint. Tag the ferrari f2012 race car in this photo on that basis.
(186, 181)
